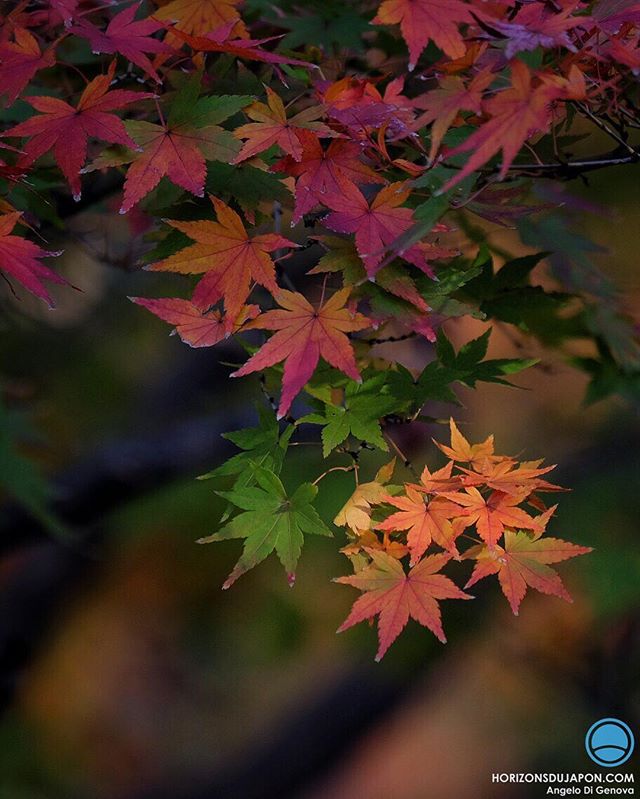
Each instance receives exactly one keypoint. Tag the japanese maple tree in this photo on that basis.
(389, 140)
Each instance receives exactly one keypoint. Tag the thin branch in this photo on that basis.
(406, 462)
(351, 468)
(586, 111)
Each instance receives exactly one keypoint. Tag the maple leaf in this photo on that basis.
(510, 476)
(426, 521)
(441, 106)
(422, 21)
(66, 129)
(19, 258)
(611, 16)
(396, 596)
(127, 36)
(271, 126)
(305, 333)
(218, 41)
(493, 513)
(197, 325)
(536, 26)
(180, 147)
(439, 481)
(376, 225)
(515, 115)
(367, 539)
(359, 416)
(462, 450)
(522, 563)
(271, 520)
(203, 16)
(356, 512)
(65, 9)
(320, 172)
(262, 447)
(359, 106)
(19, 61)
(230, 259)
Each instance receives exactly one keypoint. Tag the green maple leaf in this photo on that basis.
(465, 366)
(270, 520)
(264, 447)
(364, 405)
(468, 367)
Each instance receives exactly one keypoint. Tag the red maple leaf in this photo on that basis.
(396, 597)
(19, 61)
(422, 21)
(127, 36)
(64, 10)
(218, 41)
(320, 172)
(536, 25)
(515, 115)
(20, 259)
(304, 334)
(197, 325)
(271, 126)
(66, 129)
(177, 151)
(227, 256)
(376, 225)
(360, 107)
(522, 563)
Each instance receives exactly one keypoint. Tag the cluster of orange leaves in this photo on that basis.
(477, 491)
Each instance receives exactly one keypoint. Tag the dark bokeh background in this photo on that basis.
(127, 673)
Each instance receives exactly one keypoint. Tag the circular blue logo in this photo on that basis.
(609, 742)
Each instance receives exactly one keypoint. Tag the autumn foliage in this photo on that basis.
(386, 139)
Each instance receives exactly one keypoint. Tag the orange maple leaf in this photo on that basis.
(441, 106)
(510, 476)
(439, 481)
(462, 450)
(200, 17)
(303, 335)
(227, 256)
(397, 596)
(271, 126)
(493, 513)
(522, 563)
(422, 21)
(426, 521)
